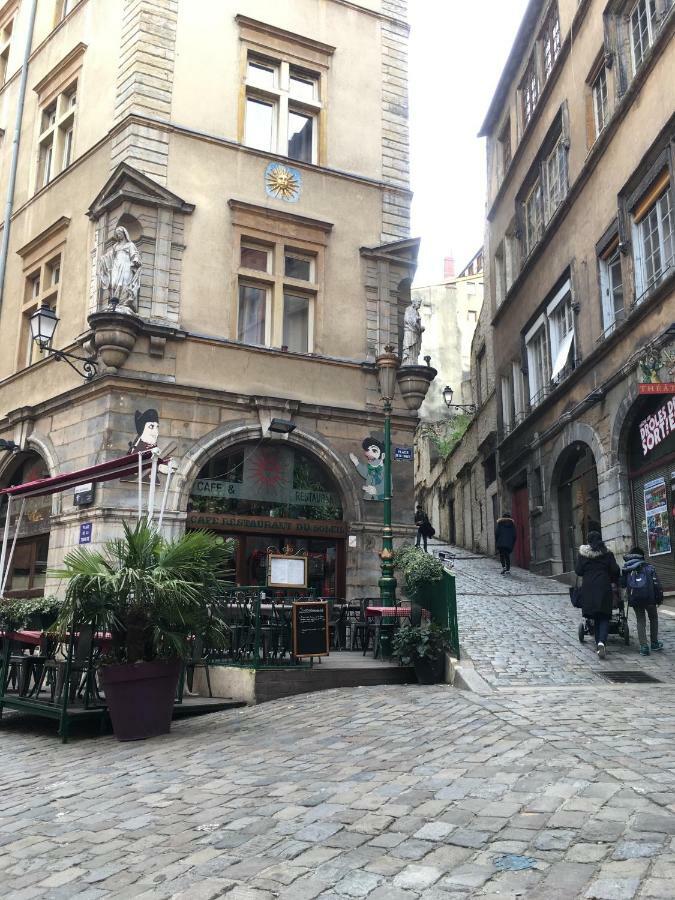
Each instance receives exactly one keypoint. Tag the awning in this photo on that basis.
(563, 354)
(107, 471)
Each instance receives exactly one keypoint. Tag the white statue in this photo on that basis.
(119, 271)
(412, 333)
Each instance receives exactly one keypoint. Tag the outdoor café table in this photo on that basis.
(394, 612)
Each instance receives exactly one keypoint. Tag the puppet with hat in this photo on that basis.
(147, 431)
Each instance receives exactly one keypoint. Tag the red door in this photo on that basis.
(520, 511)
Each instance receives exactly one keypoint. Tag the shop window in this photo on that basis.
(654, 236)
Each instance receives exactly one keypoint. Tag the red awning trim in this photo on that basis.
(107, 471)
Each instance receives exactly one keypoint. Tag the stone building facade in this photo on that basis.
(580, 249)
(449, 311)
(460, 492)
(273, 231)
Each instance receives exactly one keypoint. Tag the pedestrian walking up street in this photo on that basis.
(598, 570)
(425, 529)
(644, 595)
(505, 540)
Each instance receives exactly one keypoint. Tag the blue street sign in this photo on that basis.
(85, 532)
(403, 453)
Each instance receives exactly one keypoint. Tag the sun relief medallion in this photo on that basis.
(282, 182)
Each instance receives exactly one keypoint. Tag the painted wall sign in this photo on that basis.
(656, 510)
(667, 387)
(251, 524)
(403, 453)
(85, 532)
(657, 427)
(252, 489)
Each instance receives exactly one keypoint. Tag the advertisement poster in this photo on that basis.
(656, 510)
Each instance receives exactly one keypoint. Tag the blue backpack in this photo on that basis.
(643, 586)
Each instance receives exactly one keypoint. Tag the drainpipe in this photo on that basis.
(9, 205)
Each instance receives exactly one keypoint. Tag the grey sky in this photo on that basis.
(457, 53)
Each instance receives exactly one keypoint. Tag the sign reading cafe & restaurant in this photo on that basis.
(657, 426)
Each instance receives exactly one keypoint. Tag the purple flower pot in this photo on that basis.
(140, 697)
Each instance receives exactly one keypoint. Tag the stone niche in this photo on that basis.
(155, 220)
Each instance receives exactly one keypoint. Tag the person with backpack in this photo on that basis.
(598, 570)
(425, 529)
(644, 595)
(505, 540)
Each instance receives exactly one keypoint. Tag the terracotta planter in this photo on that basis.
(429, 671)
(413, 382)
(140, 697)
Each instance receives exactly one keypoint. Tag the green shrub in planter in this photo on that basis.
(419, 569)
(36, 613)
(424, 648)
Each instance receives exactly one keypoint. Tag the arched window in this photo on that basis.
(29, 564)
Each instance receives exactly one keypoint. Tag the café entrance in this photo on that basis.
(272, 498)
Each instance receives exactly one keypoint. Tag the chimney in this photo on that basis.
(449, 267)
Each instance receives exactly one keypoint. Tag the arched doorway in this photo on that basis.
(271, 496)
(28, 571)
(578, 500)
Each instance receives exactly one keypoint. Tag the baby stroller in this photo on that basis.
(618, 624)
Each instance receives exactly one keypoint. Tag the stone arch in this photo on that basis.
(572, 433)
(234, 433)
(44, 448)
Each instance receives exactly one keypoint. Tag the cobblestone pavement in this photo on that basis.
(555, 790)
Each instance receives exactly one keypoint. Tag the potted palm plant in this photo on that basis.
(423, 647)
(151, 595)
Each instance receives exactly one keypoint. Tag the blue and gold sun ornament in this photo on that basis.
(283, 182)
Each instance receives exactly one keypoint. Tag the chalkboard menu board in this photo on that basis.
(310, 629)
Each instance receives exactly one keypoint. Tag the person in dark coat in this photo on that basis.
(505, 540)
(598, 571)
(424, 527)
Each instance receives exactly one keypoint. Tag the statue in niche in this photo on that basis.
(119, 272)
(412, 333)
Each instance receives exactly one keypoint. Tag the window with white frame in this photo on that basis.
(611, 287)
(600, 97)
(534, 217)
(276, 296)
(642, 26)
(56, 135)
(518, 384)
(654, 236)
(283, 102)
(560, 314)
(529, 89)
(507, 403)
(550, 39)
(63, 7)
(5, 44)
(555, 177)
(538, 361)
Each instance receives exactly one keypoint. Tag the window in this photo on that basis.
(5, 43)
(534, 217)
(654, 236)
(537, 487)
(600, 101)
(42, 289)
(642, 26)
(561, 333)
(63, 7)
(538, 364)
(490, 469)
(471, 316)
(611, 287)
(29, 567)
(507, 403)
(518, 383)
(56, 135)
(550, 39)
(555, 172)
(529, 90)
(505, 154)
(276, 295)
(282, 108)
(481, 375)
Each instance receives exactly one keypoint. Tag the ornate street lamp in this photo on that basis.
(387, 366)
(447, 396)
(43, 324)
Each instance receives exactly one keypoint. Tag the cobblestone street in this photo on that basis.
(548, 783)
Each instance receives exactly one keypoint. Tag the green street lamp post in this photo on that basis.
(387, 366)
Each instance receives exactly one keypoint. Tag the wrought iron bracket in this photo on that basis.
(89, 365)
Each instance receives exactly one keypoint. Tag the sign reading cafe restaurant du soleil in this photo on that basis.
(211, 487)
(657, 426)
